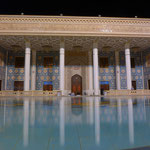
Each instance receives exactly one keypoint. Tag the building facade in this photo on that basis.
(81, 55)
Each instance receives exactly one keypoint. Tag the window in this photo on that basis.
(18, 85)
(48, 62)
(19, 62)
(103, 62)
(132, 63)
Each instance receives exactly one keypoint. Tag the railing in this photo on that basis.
(30, 93)
(127, 92)
(58, 93)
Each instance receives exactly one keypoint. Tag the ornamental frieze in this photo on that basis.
(74, 26)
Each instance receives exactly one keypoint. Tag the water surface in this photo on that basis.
(79, 123)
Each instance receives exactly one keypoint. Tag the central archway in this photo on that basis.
(76, 84)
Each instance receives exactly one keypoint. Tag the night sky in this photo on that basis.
(123, 8)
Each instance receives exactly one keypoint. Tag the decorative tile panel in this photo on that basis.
(47, 74)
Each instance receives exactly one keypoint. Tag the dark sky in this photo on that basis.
(107, 8)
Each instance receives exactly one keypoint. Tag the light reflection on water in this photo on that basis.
(74, 123)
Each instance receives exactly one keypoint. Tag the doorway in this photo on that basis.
(149, 84)
(0, 85)
(104, 86)
(76, 84)
(134, 85)
(18, 85)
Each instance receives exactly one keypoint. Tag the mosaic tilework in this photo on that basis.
(47, 74)
(146, 69)
(136, 72)
(52, 74)
(2, 68)
(14, 74)
(108, 74)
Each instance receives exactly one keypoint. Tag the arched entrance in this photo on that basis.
(76, 84)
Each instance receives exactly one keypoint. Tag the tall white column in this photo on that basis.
(27, 67)
(128, 65)
(62, 66)
(33, 76)
(90, 74)
(95, 67)
(117, 70)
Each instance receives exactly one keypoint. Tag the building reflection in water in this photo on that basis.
(32, 110)
(4, 112)
(119, 111)
(97, 120)
(26, 122)
(90, 116)
(76, 105)
(130, 121)
(62, 120)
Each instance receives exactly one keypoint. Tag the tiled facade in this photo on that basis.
(146, 69)
(137, 72)
(52, 74)
(2, 67)
(47, 74)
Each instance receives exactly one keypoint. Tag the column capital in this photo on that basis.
(33, 50)
(27, 44)
(62, 51)
(62, 44)
(95, 44)
(127, 45)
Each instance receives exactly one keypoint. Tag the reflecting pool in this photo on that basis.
(77, 123)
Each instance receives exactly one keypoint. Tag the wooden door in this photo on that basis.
(76, 84)
(0, 85)
(134, 85)
(18, 85)
(104, 86)
(47, 87)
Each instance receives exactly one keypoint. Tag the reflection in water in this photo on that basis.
(90, 111)
(97, 120)
(119, 111)
(130, 121)
(62, 120)
(77, 106)
(72, 122)
(32, 110)
(4, 112)
(26, 122)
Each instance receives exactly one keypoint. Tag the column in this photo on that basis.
(6, 70)
(62, 66)
(117, 70)
(128, 65)
(95, 67)
(90, 74)
(33, 76)
(27, 67)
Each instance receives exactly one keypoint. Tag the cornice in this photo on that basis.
(74, 26)
(72, 19)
